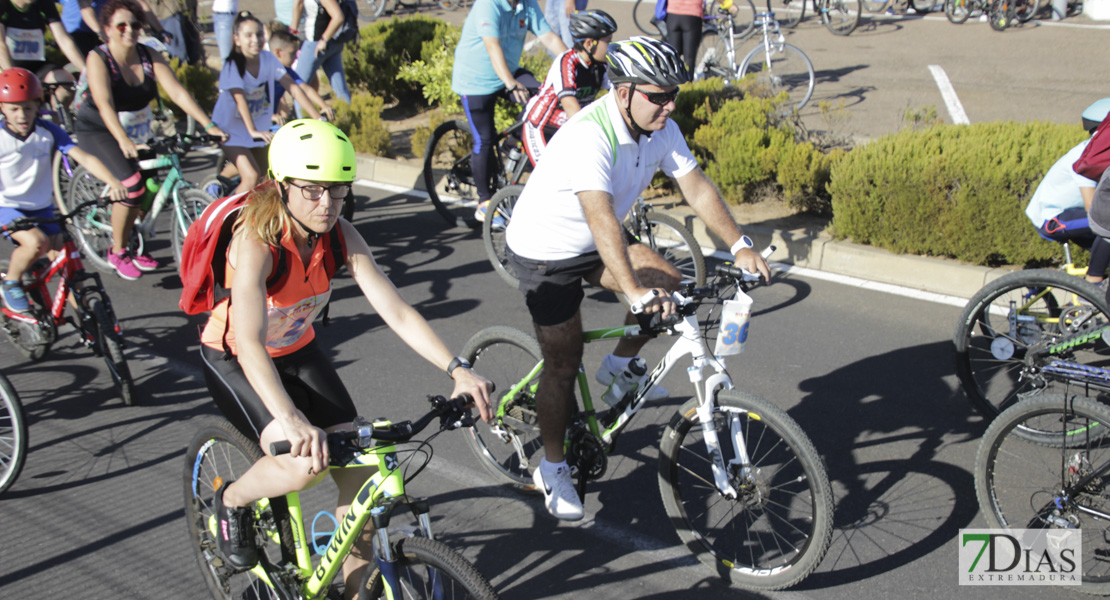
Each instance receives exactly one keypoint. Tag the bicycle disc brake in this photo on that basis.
(587, 453)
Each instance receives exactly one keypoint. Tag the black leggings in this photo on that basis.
(684, 33)
(479, 112)
(308, 377)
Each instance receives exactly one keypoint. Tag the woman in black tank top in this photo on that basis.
(123, 78)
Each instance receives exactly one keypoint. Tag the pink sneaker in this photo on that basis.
(143, 262)
(124, 266)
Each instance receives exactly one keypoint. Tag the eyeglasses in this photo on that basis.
(660, 98)
(122, 27)
(314, 191)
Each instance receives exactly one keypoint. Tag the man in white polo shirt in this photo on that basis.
(566, 228)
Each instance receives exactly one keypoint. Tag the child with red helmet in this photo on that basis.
(27, 145)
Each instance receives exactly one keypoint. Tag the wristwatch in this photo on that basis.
(455, 363)
(743, 243)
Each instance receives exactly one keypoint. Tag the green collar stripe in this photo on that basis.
(602, 118)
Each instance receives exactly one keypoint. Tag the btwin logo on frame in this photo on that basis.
(1020, 557)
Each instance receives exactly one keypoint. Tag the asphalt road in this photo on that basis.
(97, 512)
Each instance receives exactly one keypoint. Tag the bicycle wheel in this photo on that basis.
(1026, 10)
(188, 206)
(841, 17)
(92, 227)
(643, 14)
(447, 175)
(111, 348)
(875, 6)
(787, 12)
(786, 70)
(775, 532)
(664, 234)
(61, 171)
(13, 435)
(957, 11)
(218, 453)
(428, 569)
(1011, 314)
(1019, 483)
(510, 448)
(368, 10)
(493, 231)
(1002, 14)
(923, 7)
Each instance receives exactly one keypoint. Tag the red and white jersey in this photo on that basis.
(569, 76)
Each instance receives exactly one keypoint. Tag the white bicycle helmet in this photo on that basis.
(646, 60)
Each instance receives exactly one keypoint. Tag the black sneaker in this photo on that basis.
(235, 532)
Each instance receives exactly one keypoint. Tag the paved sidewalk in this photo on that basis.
(802, 247)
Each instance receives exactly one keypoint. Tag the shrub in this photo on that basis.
(950, 190)
(362, 122)
(201, 82)
(384, 47)
(745, 144)
(698, 101)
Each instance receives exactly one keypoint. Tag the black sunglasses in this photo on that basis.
(134, 25)
(660, 98)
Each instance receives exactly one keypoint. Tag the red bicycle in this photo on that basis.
(35, 331)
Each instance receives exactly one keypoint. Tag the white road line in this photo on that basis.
(955, 109)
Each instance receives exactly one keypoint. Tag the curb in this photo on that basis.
(801, 247)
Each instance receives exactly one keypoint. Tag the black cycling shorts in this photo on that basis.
(308, 377)
(553, 288)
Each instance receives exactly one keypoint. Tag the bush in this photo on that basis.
(201, 82)
(744, 145)
(362, 122)
(384, 47)
(698, 101)
(950, 190)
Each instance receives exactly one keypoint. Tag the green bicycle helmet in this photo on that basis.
(642, 59)
(311, 150)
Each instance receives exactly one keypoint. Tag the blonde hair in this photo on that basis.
(264, 216)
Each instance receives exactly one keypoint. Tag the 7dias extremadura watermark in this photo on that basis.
(1021, 556)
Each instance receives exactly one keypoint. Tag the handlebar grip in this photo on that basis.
(282, 447)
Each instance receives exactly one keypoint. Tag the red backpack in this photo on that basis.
(1096, 156)
(204, 257)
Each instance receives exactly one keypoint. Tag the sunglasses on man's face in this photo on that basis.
(122, 27)
(660, 98)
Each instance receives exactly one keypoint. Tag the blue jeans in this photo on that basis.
(221, 26)
(555, 13)
(332, 62)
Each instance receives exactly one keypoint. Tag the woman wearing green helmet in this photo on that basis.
(275, 383)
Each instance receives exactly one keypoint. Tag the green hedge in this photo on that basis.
(362, 122)
(951, 190)
(384, 47)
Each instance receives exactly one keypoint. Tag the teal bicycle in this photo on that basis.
(409, 567)
(741, 482)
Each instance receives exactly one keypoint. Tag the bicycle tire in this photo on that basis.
(60, 175)
(506, 356)
(990, 347)
(219, 453)
(787, 12)
(92, 227)
(789, 71)
(643, 14)
(728, 535)
(498, 215)
(1017, 481)
(743, 23)
(841, 17)
(1027, 10)
(13, 435)
(875, 6)
(368, 10)
(923, 7)
(1002, 14)
(187, 208)
(957, 11)
(447, 176)
(676, 244)
(428, 569)
(111, 348)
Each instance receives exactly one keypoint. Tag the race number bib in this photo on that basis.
(137, 124)
(26, 44)
(735, 317)
(285, 325)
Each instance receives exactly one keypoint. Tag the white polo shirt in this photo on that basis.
(593, 152)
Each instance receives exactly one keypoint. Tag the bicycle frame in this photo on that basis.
(377, 499)
(145, 225)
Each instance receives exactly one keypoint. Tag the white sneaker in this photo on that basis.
(559, 495)
(607, 372)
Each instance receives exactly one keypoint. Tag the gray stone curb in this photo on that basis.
(800, 247)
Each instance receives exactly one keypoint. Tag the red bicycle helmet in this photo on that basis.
(18, 85)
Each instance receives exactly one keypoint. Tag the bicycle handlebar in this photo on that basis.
(25, 223)
(452, 414)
